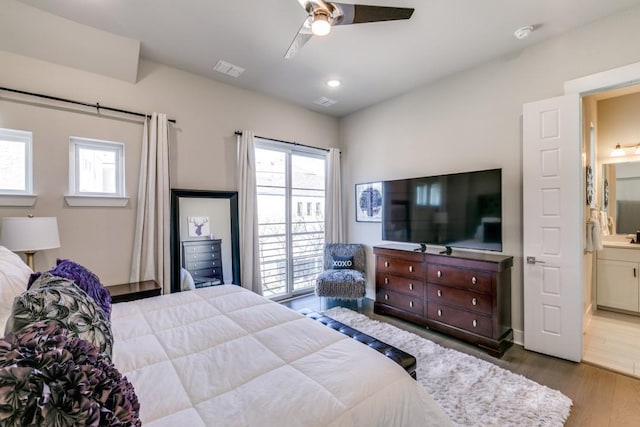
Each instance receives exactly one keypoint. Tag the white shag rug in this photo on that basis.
(473, 392)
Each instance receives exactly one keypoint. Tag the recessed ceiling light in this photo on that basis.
(334, 83)
(523, 32)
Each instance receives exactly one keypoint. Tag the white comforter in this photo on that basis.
(224, 356)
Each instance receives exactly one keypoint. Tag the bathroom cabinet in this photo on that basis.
(617, 279)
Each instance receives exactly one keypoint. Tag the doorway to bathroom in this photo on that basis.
(611, 272)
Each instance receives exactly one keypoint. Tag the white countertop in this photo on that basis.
(621, 241)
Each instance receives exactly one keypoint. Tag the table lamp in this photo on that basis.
(29, 235)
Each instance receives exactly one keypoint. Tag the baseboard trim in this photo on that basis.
(518, 337)
(588, 314)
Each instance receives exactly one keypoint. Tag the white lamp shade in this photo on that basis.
(25, 234)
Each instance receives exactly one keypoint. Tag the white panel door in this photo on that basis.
(553, 227)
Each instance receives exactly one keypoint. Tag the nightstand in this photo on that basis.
(133, 291)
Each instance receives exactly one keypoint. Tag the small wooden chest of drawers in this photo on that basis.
(464, 294)
(203, 260)
(400, 283)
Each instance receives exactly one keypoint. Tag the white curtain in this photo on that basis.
(248, 212)
(333, 223)
(151, 258)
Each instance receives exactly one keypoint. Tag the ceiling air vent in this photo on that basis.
(228, 69)
(324, 101)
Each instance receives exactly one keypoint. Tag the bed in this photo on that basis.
(216, 356)
(224, 356)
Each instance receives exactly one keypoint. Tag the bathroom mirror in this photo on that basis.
(205, 245)
(620, 195)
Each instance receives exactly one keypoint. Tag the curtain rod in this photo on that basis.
(97, 105)
(238, 132)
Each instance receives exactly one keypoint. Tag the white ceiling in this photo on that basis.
(374, 61)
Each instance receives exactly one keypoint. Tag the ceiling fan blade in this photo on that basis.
(359, 13)
(303, 36)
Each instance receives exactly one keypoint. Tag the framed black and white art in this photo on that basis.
(369, 202)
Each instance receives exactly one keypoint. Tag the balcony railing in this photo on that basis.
(306, 262)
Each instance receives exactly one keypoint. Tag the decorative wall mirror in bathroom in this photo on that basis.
(620, 195)
(205, 222)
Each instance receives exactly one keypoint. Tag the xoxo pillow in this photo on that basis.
(342, 262)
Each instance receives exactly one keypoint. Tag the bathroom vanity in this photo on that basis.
(618, 276)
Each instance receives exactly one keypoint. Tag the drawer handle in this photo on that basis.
(410, 286)
(439, 292)
(475, 323)
(474, 301)
(411, 269)
(439, 273)
(386, 280)
(474, 280)
(386, 297)
(411, 304)
(439, 312)
(386, 263)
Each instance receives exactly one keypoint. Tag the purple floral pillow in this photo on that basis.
(50, 377)
(84, 279)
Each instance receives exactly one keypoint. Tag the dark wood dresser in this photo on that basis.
(464, 294)
(203, 260)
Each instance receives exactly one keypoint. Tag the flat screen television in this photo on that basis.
(462, 210)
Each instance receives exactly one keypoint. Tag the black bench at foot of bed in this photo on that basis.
(402, 358)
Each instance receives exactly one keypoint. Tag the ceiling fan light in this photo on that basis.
(618, 151)
(320, 25)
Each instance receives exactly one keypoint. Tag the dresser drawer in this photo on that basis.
(405, 285)
(198, 265)
(478, 281)
(194, 248)
(400, 301)
(201, 256)
(399, 267)
(467, 300)
(206, 273)
(466, 320)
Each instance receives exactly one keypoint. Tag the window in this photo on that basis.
(290, 181)
(96, 168)
(16, 162)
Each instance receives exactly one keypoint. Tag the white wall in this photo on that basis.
(202, 143)
(472, 121)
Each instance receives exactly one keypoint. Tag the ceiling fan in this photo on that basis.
(322, 15)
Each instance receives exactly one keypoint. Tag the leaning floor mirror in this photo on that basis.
(205, 248)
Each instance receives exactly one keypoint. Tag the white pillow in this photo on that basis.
(14, 276)
(186, 281)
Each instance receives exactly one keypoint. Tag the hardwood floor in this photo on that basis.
(600, 397)
(612, 340)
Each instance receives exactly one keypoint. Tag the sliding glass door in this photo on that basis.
(291, 198)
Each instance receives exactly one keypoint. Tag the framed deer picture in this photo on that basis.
(198, 226)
